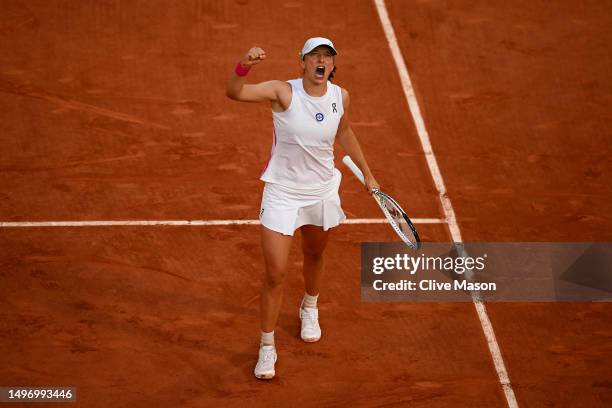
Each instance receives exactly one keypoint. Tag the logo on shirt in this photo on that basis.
(334, 110)
(319, 117)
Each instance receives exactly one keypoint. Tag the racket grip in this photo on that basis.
(351, 165)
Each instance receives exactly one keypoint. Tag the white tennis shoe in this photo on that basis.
(264, 370)
(311, 331)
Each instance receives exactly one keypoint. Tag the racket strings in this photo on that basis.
(398, 220)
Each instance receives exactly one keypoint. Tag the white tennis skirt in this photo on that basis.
(285, 209)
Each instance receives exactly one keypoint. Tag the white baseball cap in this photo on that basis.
(314, 42)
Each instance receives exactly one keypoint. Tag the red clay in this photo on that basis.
(517, 97)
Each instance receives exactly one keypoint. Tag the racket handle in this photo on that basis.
(351, 165)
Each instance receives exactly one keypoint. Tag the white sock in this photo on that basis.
(267, 339)
(310, 301)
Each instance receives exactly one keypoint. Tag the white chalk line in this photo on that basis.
(447, 207)
(179, 223)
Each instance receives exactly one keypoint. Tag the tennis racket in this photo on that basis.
(393, 212)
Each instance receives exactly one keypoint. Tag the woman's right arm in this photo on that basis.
(236, 88)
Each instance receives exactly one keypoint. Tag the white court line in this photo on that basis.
(128, 223)
(449, 213)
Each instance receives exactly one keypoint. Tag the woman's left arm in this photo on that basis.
(347, 139)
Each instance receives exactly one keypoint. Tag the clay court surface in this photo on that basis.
(113, 111)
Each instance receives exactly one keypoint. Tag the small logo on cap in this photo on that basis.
(319, 117)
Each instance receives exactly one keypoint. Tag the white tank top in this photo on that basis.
(303, 140)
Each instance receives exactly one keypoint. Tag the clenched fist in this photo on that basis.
(253, 57)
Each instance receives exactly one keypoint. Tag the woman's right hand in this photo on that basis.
(371, 184)
(253, 57)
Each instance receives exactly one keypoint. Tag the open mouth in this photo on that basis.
(320, 72)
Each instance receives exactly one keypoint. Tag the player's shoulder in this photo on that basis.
(346, 97)
(279, 83)
(278, 86)
(338, 87)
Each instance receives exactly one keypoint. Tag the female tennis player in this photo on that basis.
(301, 181)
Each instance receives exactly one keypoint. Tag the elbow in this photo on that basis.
(342, 136)
(230, 94)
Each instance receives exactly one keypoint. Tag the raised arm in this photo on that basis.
(347, 139)
(236, 88)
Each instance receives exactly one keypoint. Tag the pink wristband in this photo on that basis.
(242, 71)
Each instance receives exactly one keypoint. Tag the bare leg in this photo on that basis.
(276, 247)
(314, 241)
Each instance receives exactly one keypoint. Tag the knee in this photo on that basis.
(274, 277)
(313, 253)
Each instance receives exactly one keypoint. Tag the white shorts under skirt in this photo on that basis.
(285, 209)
